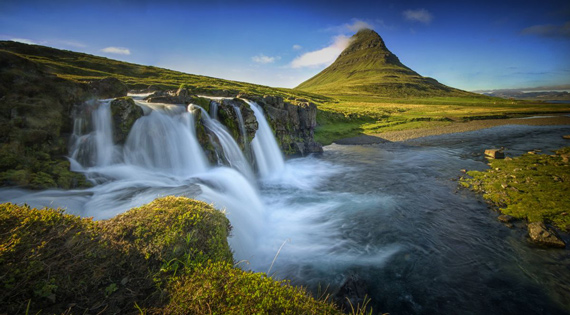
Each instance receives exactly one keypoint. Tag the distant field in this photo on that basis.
(352, 116)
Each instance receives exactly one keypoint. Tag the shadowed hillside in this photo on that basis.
(367, 67)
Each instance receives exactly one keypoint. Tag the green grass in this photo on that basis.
(532, 187)
(351, 116)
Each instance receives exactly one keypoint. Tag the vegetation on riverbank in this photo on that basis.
(532, 187)
(167, 257)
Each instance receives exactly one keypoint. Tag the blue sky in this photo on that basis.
(470, 45)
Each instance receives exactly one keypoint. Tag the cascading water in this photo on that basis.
(165, 143)
(241, 126)
(268, 157)
(95, 148)
(231, 150)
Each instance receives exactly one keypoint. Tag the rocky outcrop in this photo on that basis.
(541, 234)
(124, 112)
(180, 96)
(36, 120)
(108, 88)
(293, 121)
(228, 115)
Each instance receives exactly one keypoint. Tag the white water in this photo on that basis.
(268, 156)
(231, 151)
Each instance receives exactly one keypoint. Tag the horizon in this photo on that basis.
(475, 46)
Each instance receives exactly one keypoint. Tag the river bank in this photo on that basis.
(456, 127)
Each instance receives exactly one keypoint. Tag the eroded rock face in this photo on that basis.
(124, 113)
(108, 88)
(541, 234)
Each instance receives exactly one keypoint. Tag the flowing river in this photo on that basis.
(390, 215)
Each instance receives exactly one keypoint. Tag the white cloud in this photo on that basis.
(117, 50)
(23, 40)
(357, 25)
(297, 47)
(263, 59)
(324, 56)
(419, 15)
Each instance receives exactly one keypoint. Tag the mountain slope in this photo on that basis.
(83, 67)
(367, 67)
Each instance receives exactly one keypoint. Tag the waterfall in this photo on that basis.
(268, 156)
(214, 109)
(231, 151)
(165, 143)
(95, 148)
(243, 134)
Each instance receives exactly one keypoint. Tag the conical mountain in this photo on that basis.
(367, 67)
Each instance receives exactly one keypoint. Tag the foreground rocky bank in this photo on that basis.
(167, 257)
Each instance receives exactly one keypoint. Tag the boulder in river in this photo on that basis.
(495, 153)
(541, 234)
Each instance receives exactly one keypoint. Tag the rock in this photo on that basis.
(124, 112)
(567, 137)
(495, 153)
(351, 294)
(545, 236)
(108, 88)
(505, 218)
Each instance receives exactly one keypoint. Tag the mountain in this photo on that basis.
(367, 67)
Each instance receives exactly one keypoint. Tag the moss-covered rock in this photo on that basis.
(533, 187)
(124, 113)
(53, 262)
(170, 256)
(175, 232)
(220, 288)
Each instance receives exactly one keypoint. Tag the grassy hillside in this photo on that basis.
(84, 67)
(367, 68)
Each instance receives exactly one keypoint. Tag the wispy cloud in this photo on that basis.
(355, 25)
(72, 43)
(263, 59)
(24, 40)
(548, 30)
(324, 56)
(117, 50)
(297, 47)
(419, 15)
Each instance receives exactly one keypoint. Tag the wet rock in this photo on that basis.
(108, 88)
(495, 153)
(124, 112)
(541, 234)
(180, 96)
(351, 294)
(505, 218)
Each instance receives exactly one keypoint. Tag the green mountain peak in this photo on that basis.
(368, 67)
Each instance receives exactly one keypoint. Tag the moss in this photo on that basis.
(533, 187)
(219, 288)
(56, 262)
(169, 256)
(174, 232)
